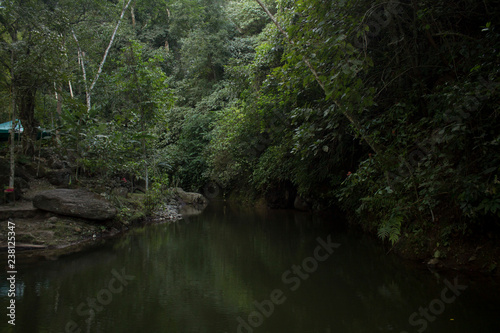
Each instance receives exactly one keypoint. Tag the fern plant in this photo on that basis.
(391, 228)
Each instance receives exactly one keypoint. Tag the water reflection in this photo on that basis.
(201, 274)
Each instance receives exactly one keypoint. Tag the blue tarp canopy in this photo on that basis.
(6, 127)
(5, 130)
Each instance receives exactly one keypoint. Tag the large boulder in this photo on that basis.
(191, 198)
(76, 203)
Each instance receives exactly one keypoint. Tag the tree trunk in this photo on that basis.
(58, 109)
(88, 89)
(26, 105)
(13, 130)
(132, 13)
(99, 70)
(14, 116)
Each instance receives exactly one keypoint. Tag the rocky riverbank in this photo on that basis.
(55, 216)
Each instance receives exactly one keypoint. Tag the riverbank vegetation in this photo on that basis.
(386, 110)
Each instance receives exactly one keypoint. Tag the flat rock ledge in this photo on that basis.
(76, 203)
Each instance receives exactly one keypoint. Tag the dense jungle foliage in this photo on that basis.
(388, 110)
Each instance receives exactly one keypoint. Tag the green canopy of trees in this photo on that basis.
(386, 109)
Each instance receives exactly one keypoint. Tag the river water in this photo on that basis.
(236, 270)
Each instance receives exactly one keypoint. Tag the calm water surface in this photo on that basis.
(234, 270)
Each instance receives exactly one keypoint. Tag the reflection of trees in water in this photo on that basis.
(243, 259)
(53, 289)
(199, 275)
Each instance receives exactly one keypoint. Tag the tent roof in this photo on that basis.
(5, 127)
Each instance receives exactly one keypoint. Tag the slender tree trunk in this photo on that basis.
(13, 129)
(58, 108)
(132, 13)
(81, 61)
(71, 89)
(26, 103)
(88, 89)
(138, 100)
(99, 71)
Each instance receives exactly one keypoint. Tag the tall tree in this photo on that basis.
(32, 51)
(89, 86)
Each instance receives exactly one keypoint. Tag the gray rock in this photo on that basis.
(191, 198)
(23, 172)
(434, 262)
(189, 210)
(76, 203)
(301, 204)
(120, 192)
(19, 185)
(59, 177)
(36, 170)
(57, 165)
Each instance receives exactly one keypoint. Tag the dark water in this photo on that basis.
(230, 270)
